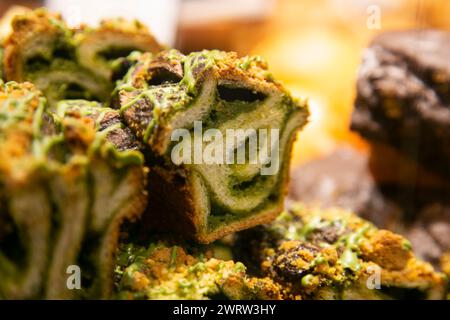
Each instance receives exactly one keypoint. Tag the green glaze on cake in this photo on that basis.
(163, 93)
(66, 63)
(67, 182)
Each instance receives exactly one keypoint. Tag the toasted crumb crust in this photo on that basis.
(334, 254)
(164, 271)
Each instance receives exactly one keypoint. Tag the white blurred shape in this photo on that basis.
(160, 16)
(207, 11)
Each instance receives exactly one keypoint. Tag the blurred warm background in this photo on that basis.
(313, 46)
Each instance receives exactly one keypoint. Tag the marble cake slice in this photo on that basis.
(216, 90)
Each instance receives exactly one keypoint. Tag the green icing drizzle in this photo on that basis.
(204, 60)
(246, 62)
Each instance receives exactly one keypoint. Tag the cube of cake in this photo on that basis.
(185, 109)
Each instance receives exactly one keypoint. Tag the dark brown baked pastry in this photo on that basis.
(344, 179)
(403, 98)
